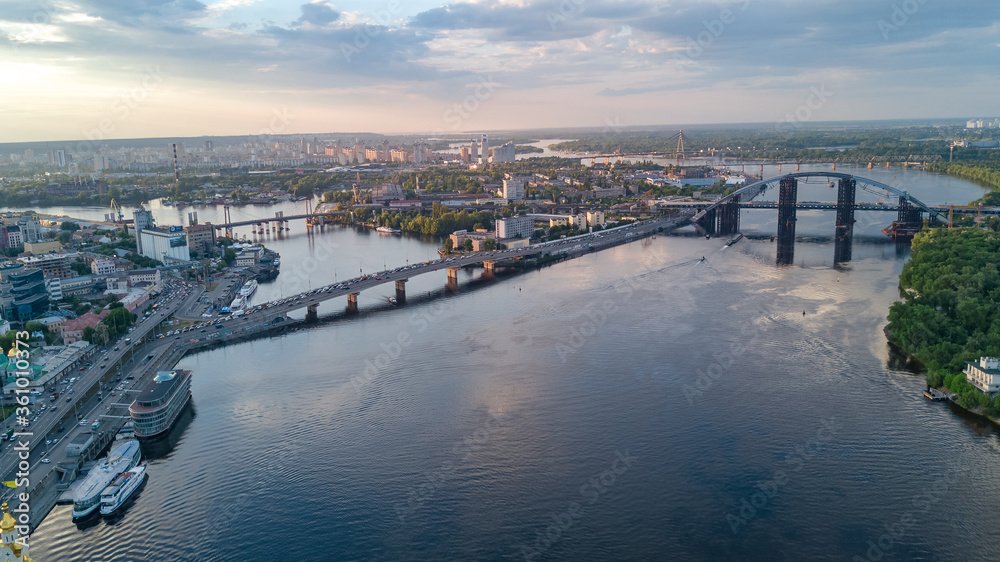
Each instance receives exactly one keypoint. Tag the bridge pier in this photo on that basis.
(488, 267)
(352, 303)
(846, 191)
(788, 190)
(312, 314)
(729, 216)
(401, 291)
(708, 221)
(452, 279)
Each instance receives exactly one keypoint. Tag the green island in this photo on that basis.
(950, 291)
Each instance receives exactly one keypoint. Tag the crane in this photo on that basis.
(116, 211)
(882, 201)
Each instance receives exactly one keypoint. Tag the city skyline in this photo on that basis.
(96, 70)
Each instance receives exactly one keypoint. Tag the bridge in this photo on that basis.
(723, 216)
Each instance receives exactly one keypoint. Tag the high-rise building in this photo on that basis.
(503, 153)
(474, 151)
(513, 188)
(143, 219)
(484, 147)
(515, 227)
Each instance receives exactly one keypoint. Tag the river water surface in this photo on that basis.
(634, 404)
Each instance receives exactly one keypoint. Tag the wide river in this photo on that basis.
(634, 404)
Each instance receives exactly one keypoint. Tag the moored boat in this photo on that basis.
(87, 497)
(121, 489)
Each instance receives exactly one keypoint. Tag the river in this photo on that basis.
(634, 404)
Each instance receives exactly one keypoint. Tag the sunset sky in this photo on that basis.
(149, 68)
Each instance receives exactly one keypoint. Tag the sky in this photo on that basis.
(107, 69)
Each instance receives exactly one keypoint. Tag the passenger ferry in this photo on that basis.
(87, 497)
(248, 289)
(160, 403)
(237, 303)
(121, 488)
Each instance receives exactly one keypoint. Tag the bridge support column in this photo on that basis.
(788, 191)
(312, 314)
(452, 279)
(401, 291)
(908, 222)
(488, 267)
(729, 216)
(846, 191)
(352, 303)
(707, 222)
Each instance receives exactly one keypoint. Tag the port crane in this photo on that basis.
(116, 212)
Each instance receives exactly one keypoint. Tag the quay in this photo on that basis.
(936, 395)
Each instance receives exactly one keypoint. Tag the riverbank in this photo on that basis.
(950, 290)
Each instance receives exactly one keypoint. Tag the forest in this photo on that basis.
(950, 292)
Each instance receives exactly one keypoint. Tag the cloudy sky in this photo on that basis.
(71, 69)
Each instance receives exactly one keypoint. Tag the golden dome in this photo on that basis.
(8, 523)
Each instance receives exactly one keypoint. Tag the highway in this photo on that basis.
(57, 422)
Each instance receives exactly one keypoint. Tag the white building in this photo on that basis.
(513, 188)
(14, 238)
(985, 375)
(31, 229)
(503, 153)
(143, 219)
(142, 277)
(54, 286)
(595, 218)
(102, 267)
(163, 245)
(515, 227)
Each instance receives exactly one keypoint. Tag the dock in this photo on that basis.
(936, 395)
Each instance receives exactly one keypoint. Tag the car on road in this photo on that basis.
(83, 422)
(83, 368)
(46, 461)
(68, 398)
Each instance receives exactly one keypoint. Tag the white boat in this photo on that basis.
(387, 230)
(121, 488)
(87, 497)
(237, 303)
(248, 289)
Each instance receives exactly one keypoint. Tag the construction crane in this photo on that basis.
(116, 211)
(647, 198)
(882, 200)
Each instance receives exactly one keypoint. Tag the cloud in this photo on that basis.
(318, 13)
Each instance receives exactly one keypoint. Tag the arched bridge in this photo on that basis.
(726, 210)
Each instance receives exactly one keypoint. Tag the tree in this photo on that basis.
(448, 245)
(489, 245)
(467, 245)
(65, 236)
(229, 257)
(69, 226)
